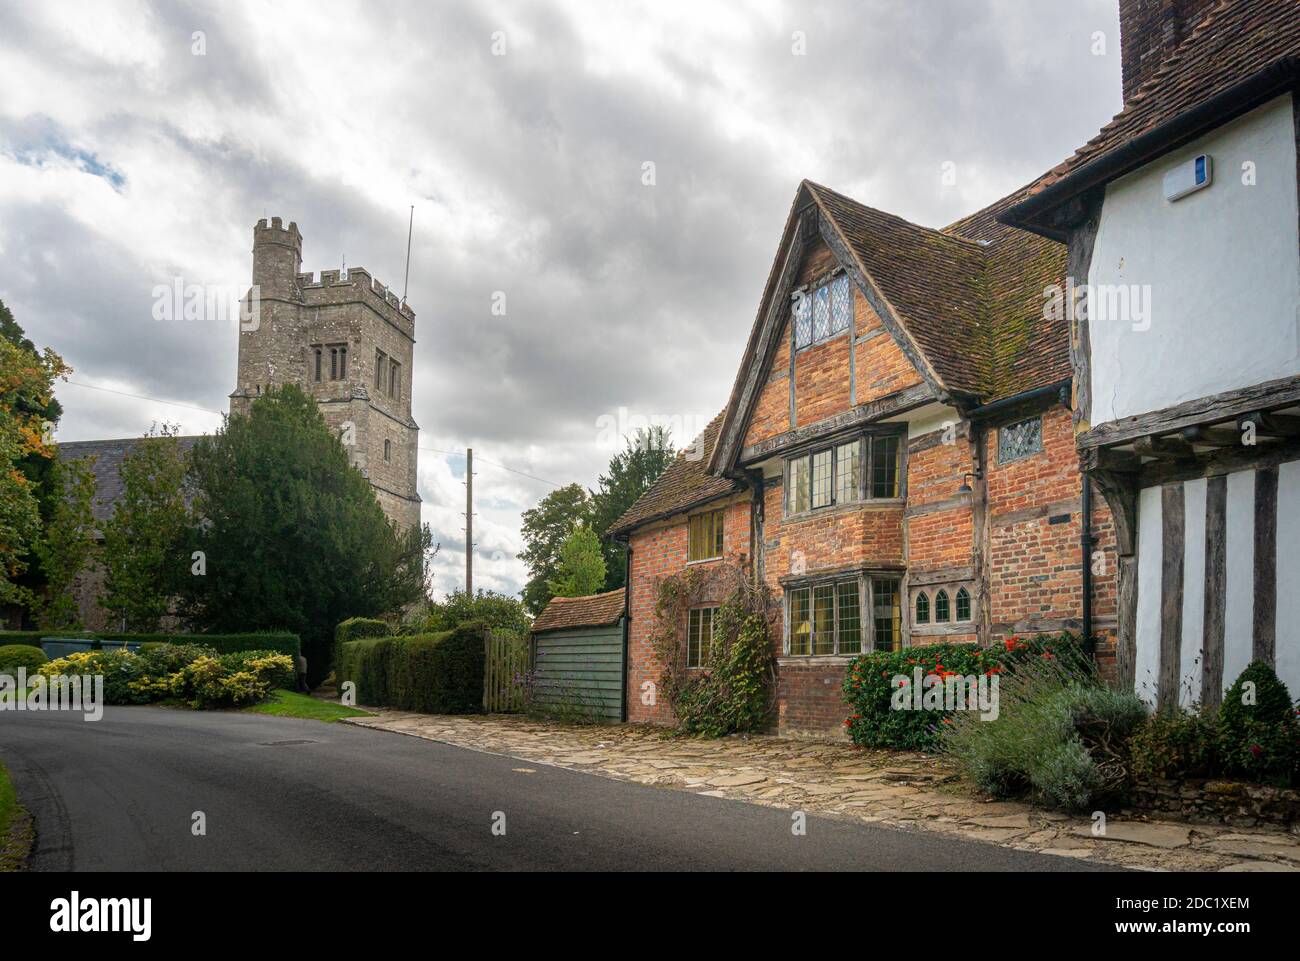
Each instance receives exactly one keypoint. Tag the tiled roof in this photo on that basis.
(1236, 41)
(594, 610)
(107, 467)
(970, 296)
(685, 484)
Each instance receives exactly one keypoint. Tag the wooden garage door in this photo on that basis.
(581, 670)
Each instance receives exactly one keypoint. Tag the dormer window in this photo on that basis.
(822, 312)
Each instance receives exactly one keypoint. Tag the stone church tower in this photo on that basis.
(347, 341)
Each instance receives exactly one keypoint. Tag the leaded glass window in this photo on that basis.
(821, 478)
(941, 607)
(802, 320)
(847, 472)
(884, 466)
(963, 604)
(699, 636)
(821, 313)
(848, 629)
(923, 608)
(841, 304)
(1019, 440)
(887, 615)
(798, 500)
(800, 621)
(705, 536)
(824, 619)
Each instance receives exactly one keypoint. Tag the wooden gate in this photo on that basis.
(505, 661)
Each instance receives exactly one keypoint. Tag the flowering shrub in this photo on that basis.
(869, 685)
(193, 675)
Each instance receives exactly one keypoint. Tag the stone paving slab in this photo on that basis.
(914, 791)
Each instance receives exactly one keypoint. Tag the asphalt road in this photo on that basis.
(288, 794)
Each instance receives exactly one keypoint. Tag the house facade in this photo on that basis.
(928, 440)
(896, 463)
(1187, 410)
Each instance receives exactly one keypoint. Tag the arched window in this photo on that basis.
(343, 363)
(963, 604)
(318, 354)
(388, 450)
(923, 608)
(334, 363)
(941, 607)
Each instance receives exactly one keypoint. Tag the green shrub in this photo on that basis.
(1059, 734)
(430, 673)
(355, 629)
(29, 638)
(732, 694)
(870, 682)
(1177, 744)
(279, 672)
(14, 656)
(1258, 731)
(281, 642)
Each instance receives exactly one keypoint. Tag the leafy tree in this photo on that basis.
(581, 567)
(42, 410)
(291, 534)
(66, 546)
(144, 541)
(631, 473)
(498, 611)
(544, 529)
(26, 396)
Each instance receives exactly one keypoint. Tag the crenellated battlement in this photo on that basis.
(356, 277)
(275, 232)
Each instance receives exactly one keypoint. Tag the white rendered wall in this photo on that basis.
(1192, 654)
(1146, 675)
(1221, 267)
(1288, 576)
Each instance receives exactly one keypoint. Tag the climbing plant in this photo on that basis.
(733, 690)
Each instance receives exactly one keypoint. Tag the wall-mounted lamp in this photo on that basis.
(965, 482)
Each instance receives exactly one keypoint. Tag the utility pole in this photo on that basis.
(469, 522)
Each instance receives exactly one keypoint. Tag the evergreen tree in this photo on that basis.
(631, 473)
(581, 567)
(291, 534)
(544, 529)
(66, 546)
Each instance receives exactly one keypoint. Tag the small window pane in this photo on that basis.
(699, 636)
(847, 472)
(798, 485)
(884, 466)
(849, 629)
(343, 363)
(821, 313)
(824, 619)
(802, 311)
(800, 625)
(887, 616)
(941, 607)
(1024, 439)
(841, 304)
(705, 537)
(923, 608)
(318, 355)
(963, 605)
(821, 478)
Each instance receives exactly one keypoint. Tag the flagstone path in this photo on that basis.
(901, 789)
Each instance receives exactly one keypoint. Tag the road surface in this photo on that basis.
(290, 794)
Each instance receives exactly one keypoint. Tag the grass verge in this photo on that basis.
(291, 704)
(15, 827)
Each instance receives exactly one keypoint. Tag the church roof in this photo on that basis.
(107, 465)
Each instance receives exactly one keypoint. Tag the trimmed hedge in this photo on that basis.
(868, 685)
(429, 673)
(279, 642)
(30, 638)
(355, 629)
(14, 656)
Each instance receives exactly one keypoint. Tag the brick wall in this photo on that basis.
(660, 552)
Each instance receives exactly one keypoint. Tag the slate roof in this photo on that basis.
(685, 484)
(1236, 41)
(594, 610)
(107, 465)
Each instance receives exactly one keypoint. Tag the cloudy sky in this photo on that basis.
(140, 142)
